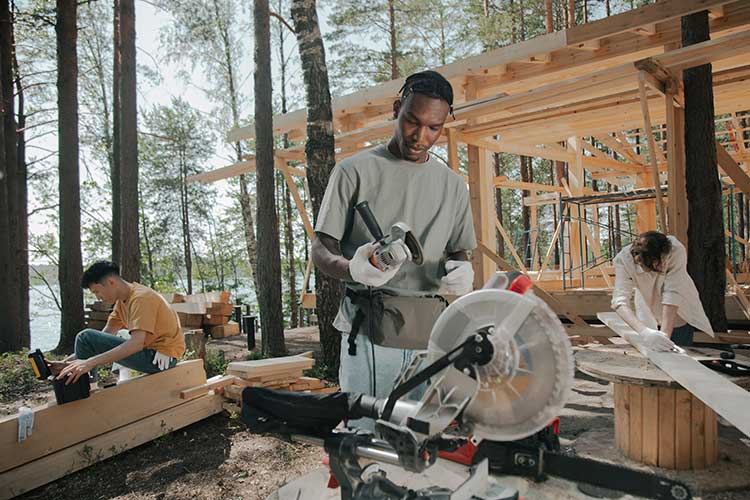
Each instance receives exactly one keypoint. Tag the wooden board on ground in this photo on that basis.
(220, 308)
(85, 453)
(58, 426)
(214, 320)
(725, 398)
(229, 330)
(217, 382)
(188, 320)
(268, 366)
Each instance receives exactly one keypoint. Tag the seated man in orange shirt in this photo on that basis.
(156, 340)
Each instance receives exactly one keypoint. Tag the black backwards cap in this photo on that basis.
(429, 83)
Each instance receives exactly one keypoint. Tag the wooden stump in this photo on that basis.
(665, 427)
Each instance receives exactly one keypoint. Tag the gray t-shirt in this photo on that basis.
(429, 197)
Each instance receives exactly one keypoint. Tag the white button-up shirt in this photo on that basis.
(672, 286)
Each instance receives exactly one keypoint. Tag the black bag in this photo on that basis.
(392, 320)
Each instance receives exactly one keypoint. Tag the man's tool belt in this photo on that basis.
(391, 320)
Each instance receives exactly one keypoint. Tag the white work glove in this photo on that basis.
(657, 341)
(162, 361)
(364, 272)
(459, 279)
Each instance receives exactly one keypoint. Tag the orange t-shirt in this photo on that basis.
(146, 310)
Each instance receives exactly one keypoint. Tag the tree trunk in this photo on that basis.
(70, 263)
(185, 220)
(20, 212)
(9, 335)
(706, 251)
(548, 22)
(525, 212)
(320, 158)
(499, 208)
(248, 220)
(115, 172)
(571, 13)
(512, 7)
(269, 262)
(130, 259)
(288, 214)
(15, 235)
(393, 40)
(607, 8)
(147, 247)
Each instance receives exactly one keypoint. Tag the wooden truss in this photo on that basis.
(574, 96)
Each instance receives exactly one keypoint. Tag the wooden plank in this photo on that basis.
(635, 394)
(211, 384)
(453, 149)
(190, 320)
(509, 242)
(653, 150)
(724, 397)
(644, 16)
(265, 366)
(667, 429)
(59, 426)
(732, 169)
(622, 417)
(683, 430)
(712, 448)
(83, 454)
(698, 434)
(540, 292)
(229, 330)
(651, 425)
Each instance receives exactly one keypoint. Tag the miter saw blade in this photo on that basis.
(527, 382)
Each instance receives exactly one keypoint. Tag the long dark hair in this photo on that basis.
(649, 248)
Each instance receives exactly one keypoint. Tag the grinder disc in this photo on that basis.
(527, 382)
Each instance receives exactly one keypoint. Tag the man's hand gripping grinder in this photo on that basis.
(395, 248)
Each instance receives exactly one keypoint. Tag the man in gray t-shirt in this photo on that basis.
(402, 183)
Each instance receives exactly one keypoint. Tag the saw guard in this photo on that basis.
(527, 382)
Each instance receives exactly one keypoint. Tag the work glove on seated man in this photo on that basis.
(162, 361)
(459, 279)
(364, 272)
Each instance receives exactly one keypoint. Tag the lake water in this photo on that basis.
(45, 316)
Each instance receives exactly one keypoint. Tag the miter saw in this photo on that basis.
(498, 368)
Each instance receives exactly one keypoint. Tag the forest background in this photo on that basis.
(194, 73)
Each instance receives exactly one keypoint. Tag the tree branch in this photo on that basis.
(283, 21)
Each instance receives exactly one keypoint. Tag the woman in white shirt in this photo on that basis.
(668, 309)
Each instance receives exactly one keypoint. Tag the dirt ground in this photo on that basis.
(218, 458)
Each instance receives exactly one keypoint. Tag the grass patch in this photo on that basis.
(17, 378)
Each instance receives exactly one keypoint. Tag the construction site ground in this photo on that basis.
(217, 458)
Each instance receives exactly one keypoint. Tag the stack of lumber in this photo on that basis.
(97, 314)
(284, 373)
(210, 311)
(72, 436)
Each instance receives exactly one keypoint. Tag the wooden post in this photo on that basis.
(575, 181)
(654, 152)
(481, 187)
(676, 195)
(452, 149)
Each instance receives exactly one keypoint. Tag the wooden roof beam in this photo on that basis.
(546, 153)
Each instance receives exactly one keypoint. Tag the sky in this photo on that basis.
(149, 20)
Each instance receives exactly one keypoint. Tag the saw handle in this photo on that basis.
(369, 219)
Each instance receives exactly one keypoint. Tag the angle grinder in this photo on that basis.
(391, 253)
